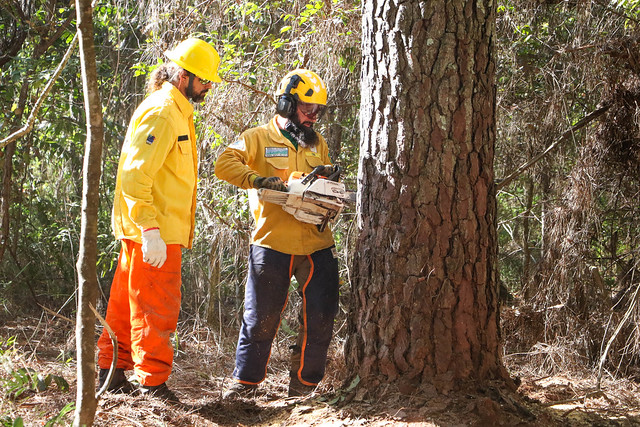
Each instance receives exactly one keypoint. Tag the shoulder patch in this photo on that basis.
(276, 152)
(238, 144)
(150, 139)
(183, 138)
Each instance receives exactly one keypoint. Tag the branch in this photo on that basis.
(36, 108)
(590, 395)
(606, 7)
(266, 95)
(114, 344)
(582, 123)
(603, 356)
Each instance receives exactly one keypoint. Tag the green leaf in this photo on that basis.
(58, 418)
(61, 382)
(354, 383)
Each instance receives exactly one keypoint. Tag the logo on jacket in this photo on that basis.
(238, 145)
(276, 152)
(150, 139)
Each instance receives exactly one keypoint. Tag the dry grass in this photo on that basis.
(204, 361)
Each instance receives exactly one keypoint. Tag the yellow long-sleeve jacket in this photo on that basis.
(264, 151)
(156, 181)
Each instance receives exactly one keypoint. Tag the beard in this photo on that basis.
(196, 97)
(304, 135)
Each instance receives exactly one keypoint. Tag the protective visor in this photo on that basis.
(311, 110)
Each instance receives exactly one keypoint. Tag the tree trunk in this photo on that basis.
(7, 175)
(5, 200)
(213, 309)
(424, 273)
(87, 276)
(526, 231)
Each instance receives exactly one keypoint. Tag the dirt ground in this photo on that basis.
(204, 361)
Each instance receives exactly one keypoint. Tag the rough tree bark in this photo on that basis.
(424, 272)
(86, 401)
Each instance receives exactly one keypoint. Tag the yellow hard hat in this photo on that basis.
(308, 86)
(197, 56)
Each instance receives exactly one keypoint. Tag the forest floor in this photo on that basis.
(201, 374)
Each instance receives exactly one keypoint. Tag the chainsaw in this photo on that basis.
(311, 198)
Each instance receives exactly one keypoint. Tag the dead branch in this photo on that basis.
(114, 344)
(603, 358)
(590, 395)
(253, 89)
(581, 123)
(54, 314)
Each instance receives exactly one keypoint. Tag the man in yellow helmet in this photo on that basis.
(153, 217)
(282, 246)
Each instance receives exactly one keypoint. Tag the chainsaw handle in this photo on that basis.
(335, 176)
(315, 174)
(312, 176)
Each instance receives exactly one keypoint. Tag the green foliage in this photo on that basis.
(24, 379)
(7, 421)
(629, 7)
(259, 42)
(47, 177)
(28, 380)
(59, 417)
(342, 394)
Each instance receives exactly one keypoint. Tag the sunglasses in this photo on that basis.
(204, 82)
(311, 110)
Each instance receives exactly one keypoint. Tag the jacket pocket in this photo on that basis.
(184, 160)
(278, 163)
(313, 160)
(185, 147)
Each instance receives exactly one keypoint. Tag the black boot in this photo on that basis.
(159, 391)
(119, 382)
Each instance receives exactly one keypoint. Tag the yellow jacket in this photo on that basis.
(156, 181)
(264, 151)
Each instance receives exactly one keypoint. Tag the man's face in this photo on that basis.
(300, 126)
(199, 90)
(307, 114)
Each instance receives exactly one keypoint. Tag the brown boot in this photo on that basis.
(296, 388)
(240, 391)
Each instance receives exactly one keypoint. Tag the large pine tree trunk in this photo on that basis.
(86, 402)
(424, 274)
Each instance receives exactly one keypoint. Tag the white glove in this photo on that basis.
(154, 250)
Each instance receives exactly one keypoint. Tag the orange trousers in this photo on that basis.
(143, 309)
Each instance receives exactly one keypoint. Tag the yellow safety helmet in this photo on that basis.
(306, 85)
(197, 56)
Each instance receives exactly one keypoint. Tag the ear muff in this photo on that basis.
(287, 105)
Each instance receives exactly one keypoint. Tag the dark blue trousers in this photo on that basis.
(266, 295)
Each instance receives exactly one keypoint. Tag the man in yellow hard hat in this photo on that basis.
(153, 217)
(282, 246)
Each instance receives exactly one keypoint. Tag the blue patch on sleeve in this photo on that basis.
(150, 139)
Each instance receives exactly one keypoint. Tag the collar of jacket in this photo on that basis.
(181, 101)
(276, 135)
